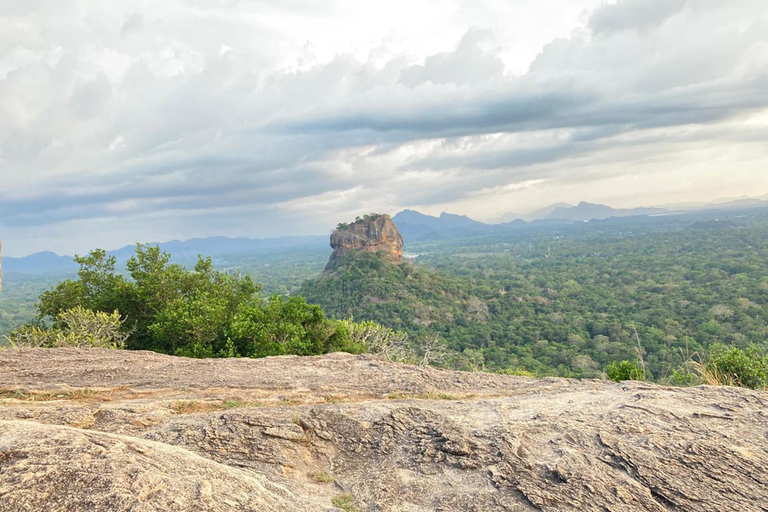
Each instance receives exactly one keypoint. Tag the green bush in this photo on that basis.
(201, 312)
(624, 370)
(345, 501)
(732, 366)
(376, 339)
(76, 327)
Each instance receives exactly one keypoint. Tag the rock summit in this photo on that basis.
(373, 233)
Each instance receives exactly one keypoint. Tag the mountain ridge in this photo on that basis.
(181, 251)
(412, 224)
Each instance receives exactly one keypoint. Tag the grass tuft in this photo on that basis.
(84, 394)
(322, 476)
(345, 501)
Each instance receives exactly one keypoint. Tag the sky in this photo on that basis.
(137, 120)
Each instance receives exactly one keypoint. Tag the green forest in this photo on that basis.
(569, 300)
(585, 300)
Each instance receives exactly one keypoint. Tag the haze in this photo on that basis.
(134, 120)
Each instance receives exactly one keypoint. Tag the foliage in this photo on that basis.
(201, 312)
(341, 226)
(322, 476)
(377, 339)
(566, 299)
(624, 370)
(731, 366)
(76, 327)
(345, 501)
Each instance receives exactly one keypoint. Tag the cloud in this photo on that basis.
(633, 14)
(133, 23)
(467, 64)
(295, 113)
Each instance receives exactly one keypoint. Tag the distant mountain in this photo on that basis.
(39, 263)
(49, 263)
(588, 211)
(737, 204)
(541, 213)
(415, 225)
(218, 246)
(724, 203)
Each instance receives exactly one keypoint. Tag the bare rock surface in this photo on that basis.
(379, 235)
(99, 430)
(48, 467)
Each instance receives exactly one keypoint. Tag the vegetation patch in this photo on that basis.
(432, 394)
(345, 501)
(165, 307)
(624, 370)
(322, 476)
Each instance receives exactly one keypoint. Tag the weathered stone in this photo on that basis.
(494, 443)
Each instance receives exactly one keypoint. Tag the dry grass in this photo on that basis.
(80, 395)
(322, 476)
(332, 399)
(432, 394)
(198, 406)
(712, 377)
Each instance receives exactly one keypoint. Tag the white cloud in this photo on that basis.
(182, 117)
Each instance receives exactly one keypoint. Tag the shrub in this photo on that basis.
(731, 366)
(624, 370)
(376, 339)
(345, 501)
(76, 327)
(516, 371)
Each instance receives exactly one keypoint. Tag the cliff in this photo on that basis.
(374, 234)
(104, 430)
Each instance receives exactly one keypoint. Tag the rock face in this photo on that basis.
(157, 433)
(376, 235)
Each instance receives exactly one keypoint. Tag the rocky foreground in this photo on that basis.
(98, 430)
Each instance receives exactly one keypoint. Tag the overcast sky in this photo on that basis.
(134, 120)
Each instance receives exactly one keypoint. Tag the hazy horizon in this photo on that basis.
(518, 216)
(133, 120)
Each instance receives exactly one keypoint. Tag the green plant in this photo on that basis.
(518, 372)
(238, 404)
(732, 366)
(624, 370)
(202, 312)
(345, 501)
(76, 327)
(322, 476)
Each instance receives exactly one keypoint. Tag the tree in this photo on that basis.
(624, 370)
(201, 312)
